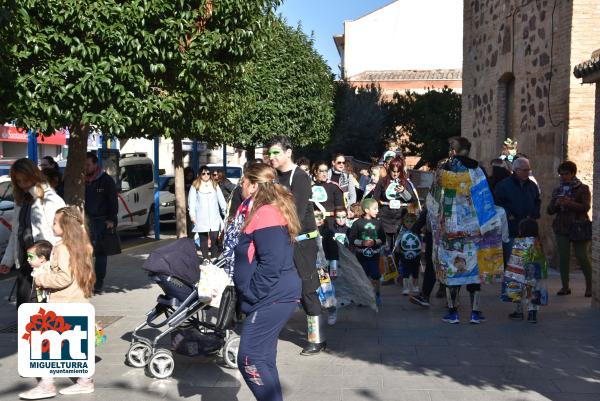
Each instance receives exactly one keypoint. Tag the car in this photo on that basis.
(233, 172)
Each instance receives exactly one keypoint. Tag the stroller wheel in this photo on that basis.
(139, 354)
(230, 352)
(161, 364)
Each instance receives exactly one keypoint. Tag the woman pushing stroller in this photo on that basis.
(265, 276)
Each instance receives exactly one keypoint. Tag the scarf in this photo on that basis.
(232, 234)
(567, 188)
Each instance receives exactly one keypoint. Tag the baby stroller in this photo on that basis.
(175, 268)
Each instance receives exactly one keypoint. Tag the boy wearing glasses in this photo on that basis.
(38, 256)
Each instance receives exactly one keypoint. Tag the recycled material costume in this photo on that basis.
(305, 256)
(326, 196)
(467, 232)
(525, 270)
(394, 196)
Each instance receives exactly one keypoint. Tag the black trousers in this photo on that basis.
(429, 275)
(204, 244)
(305, 258)
(24, 284)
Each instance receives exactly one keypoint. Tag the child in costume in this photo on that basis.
(525, 270)
(407, 251)
(340, 228)
(38, 257)
(368, 237)
(354, 213)
(327, 264)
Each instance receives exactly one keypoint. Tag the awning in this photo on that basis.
(10, 133)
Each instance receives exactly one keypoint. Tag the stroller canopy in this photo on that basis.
(177, 259)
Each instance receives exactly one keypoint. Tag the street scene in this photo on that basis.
(298, 200)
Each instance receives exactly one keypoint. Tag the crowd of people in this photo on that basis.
(287, 224)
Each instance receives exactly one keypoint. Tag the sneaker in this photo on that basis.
(332, 318)
(416, 291)
(419, 300)
(406, 291)
(82, 386)
(475, 319)
(378, 300)
(532, 316)
(516, 316)
(451, 318)
(564, 291)
(39, 392)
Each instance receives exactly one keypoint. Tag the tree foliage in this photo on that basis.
(128, 68)
(425, 122)
(286, 89)
(359, 121)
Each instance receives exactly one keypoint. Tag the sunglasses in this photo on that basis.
(215, 174)
(342, 162)
(205, 173)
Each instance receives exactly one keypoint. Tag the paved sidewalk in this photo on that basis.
(403, 353)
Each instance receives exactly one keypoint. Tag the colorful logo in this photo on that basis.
(56, 340)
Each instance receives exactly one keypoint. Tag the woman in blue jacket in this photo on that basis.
(265, 276)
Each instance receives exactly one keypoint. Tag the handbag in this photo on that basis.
(110, 244)
(580, 231)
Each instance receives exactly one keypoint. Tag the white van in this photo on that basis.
(233, 172)
(136, 194)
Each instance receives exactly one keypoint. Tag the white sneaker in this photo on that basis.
(83, 386)
(416, 291)
(39, 392)
(332, 318)
(406, 291)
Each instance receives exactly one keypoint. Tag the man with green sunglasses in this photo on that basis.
(305, 249)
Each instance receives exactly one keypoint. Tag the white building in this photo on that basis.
(408, 44)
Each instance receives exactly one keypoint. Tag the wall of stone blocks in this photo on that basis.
(596, 207)
(537, 42)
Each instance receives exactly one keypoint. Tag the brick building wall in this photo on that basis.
(596, 208)
(517, 61)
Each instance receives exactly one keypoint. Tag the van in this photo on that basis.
(233, 172)
(136, 195)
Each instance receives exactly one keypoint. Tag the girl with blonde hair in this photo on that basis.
(35, 205)
(70, 279)
(265, 275)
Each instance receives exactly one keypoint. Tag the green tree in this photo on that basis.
(425, 122)
(287, 89)
(359, 121)
(128, 68)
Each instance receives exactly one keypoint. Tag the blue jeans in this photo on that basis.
(258, 349)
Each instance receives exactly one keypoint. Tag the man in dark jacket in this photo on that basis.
(520, 198)
(101, 210)
(305, 250)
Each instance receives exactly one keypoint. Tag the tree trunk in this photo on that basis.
(251, 152)
(74, 177)
(180, 203)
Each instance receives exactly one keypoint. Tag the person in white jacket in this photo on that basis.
(206, 205)
(35, 206)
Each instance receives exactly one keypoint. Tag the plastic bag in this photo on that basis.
(326, 291)
(213, 281)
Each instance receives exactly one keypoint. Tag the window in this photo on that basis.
(506, 108)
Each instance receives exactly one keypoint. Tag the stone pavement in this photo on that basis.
(403, 353)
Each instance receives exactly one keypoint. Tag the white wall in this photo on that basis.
(406, 35)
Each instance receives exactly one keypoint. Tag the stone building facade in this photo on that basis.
(518, 56)
(589, 73)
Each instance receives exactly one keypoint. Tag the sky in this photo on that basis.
(325, 18)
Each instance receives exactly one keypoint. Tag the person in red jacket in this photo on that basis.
(265, 277)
